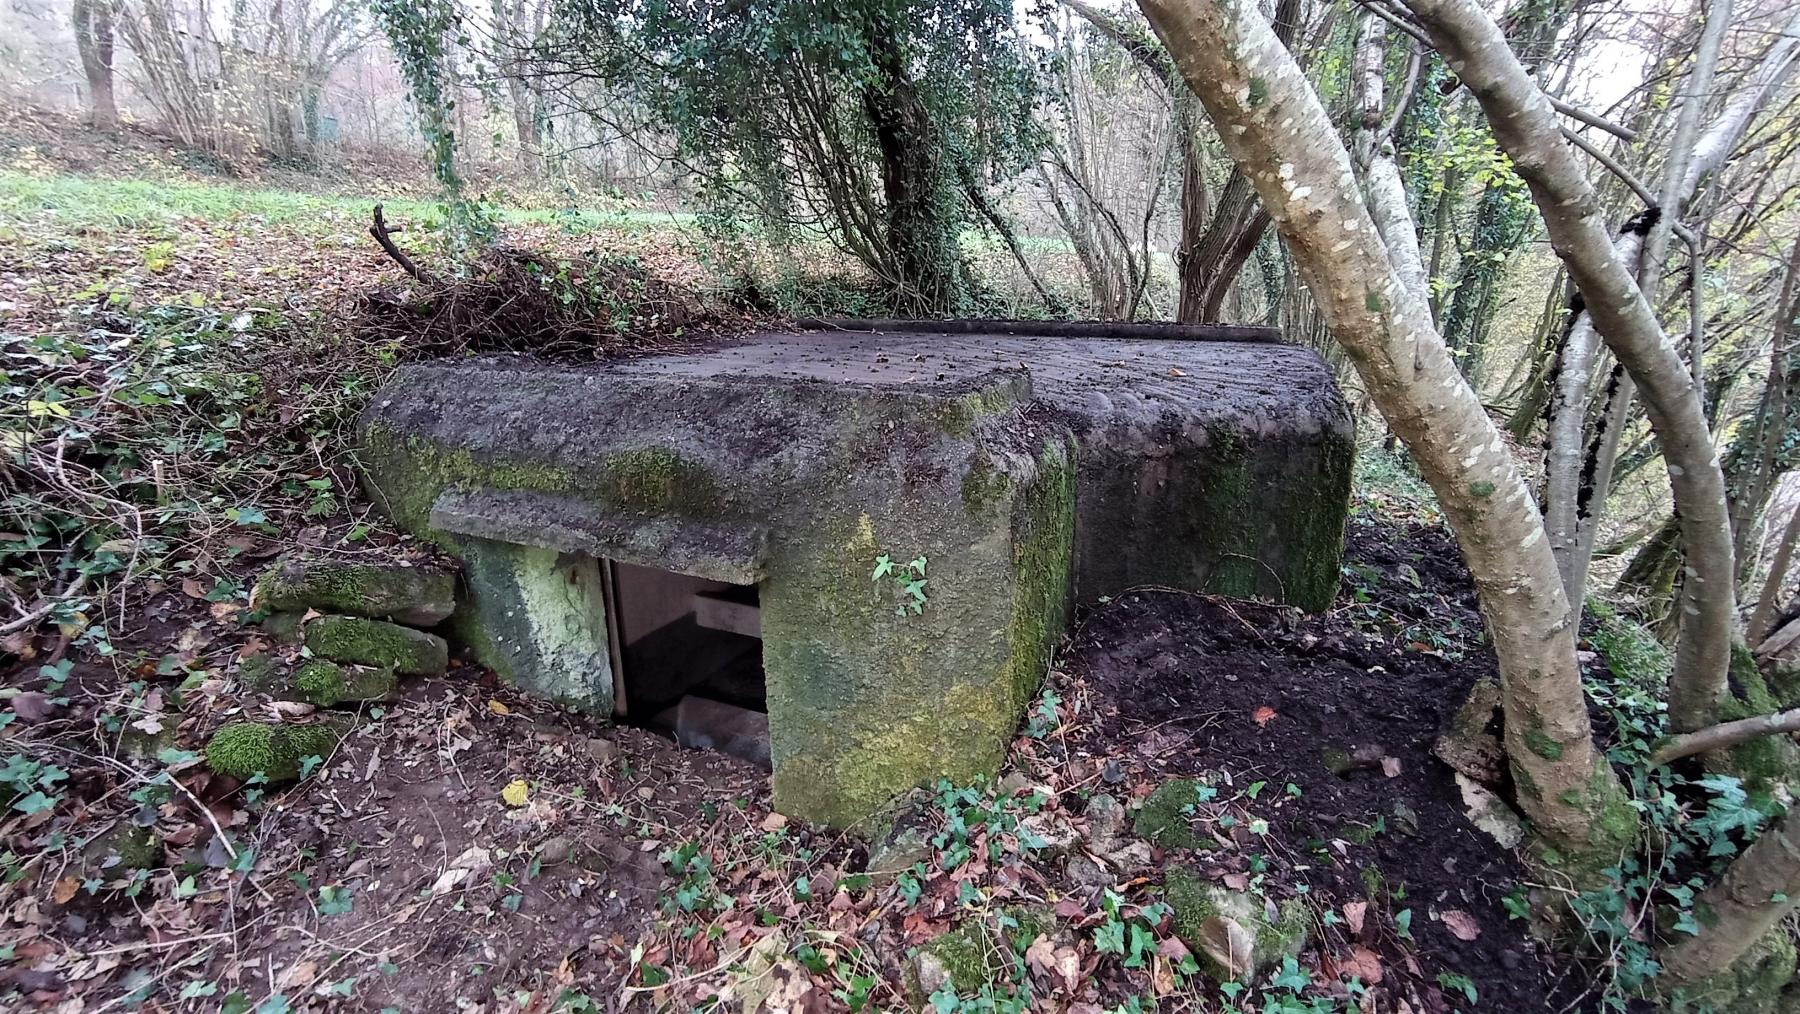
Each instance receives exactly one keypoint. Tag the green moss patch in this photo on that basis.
(1164, 817)
(410, 595)
(1197, 901)
(356, 640)
(658, 479)
(243, 750)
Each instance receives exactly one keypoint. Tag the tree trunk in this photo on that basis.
(1526, 128)
(1275, 128)
(916, 230)
(1212, 264)
(1757, 891)
(94, 42)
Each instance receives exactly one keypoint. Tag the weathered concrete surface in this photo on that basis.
(1205, 465)
(798, 486)
(794, 461)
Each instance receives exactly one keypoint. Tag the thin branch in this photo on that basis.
(379, 230)
(1725, 734)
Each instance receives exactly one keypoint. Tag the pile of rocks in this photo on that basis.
(361, 625)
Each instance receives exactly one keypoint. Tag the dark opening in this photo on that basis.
(689, 659)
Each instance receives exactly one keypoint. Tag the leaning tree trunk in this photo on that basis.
(1277, 131)
(1526, 127)
(1756, 893)
(94, 42)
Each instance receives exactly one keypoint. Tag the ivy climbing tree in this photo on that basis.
(876, 123)
(421, 33)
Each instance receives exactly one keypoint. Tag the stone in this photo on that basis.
(1106, 821)
(285, 627)
(1165, 817)
(976, 952)
(327, 684)
(414, 596)
(904, 841)
(139, 745)
(556, 851)
(357, 640)
(1214, 921)
(275, 750)
(1011, 784)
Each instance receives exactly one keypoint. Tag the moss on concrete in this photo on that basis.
(1164, 817)
(1195, 900)
(984, 488)
(658, 479)
(407, 472)
(357, 640)
(1043, 547)
(242, 750)
(410, 595)
(538, 618)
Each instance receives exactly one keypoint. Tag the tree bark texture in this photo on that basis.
(1279, 134)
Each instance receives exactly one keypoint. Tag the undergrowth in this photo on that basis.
(1694, 826)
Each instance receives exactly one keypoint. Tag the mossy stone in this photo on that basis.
(325, 684)
(1163, 818)
(358, 640)
(979, 951)
(256, 673)
(1195, 900)
(285, 626)
(243, 750)
(416, 596)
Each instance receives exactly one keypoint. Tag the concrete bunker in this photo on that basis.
(865, 541)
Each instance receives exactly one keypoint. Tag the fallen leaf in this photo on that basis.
(1176, 372)
(1228, 943)
(1354, 911)
(1390, 766)
(1263, 715)
(497, 708)
(192, 589)
(774, 822)
(64, 890)
(516, 792)
(1461, 924)
(33, 707)
(1362, 963)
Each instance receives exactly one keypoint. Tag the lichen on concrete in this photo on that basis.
(538, 618)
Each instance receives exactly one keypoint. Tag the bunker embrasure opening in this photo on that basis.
(690, 659)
